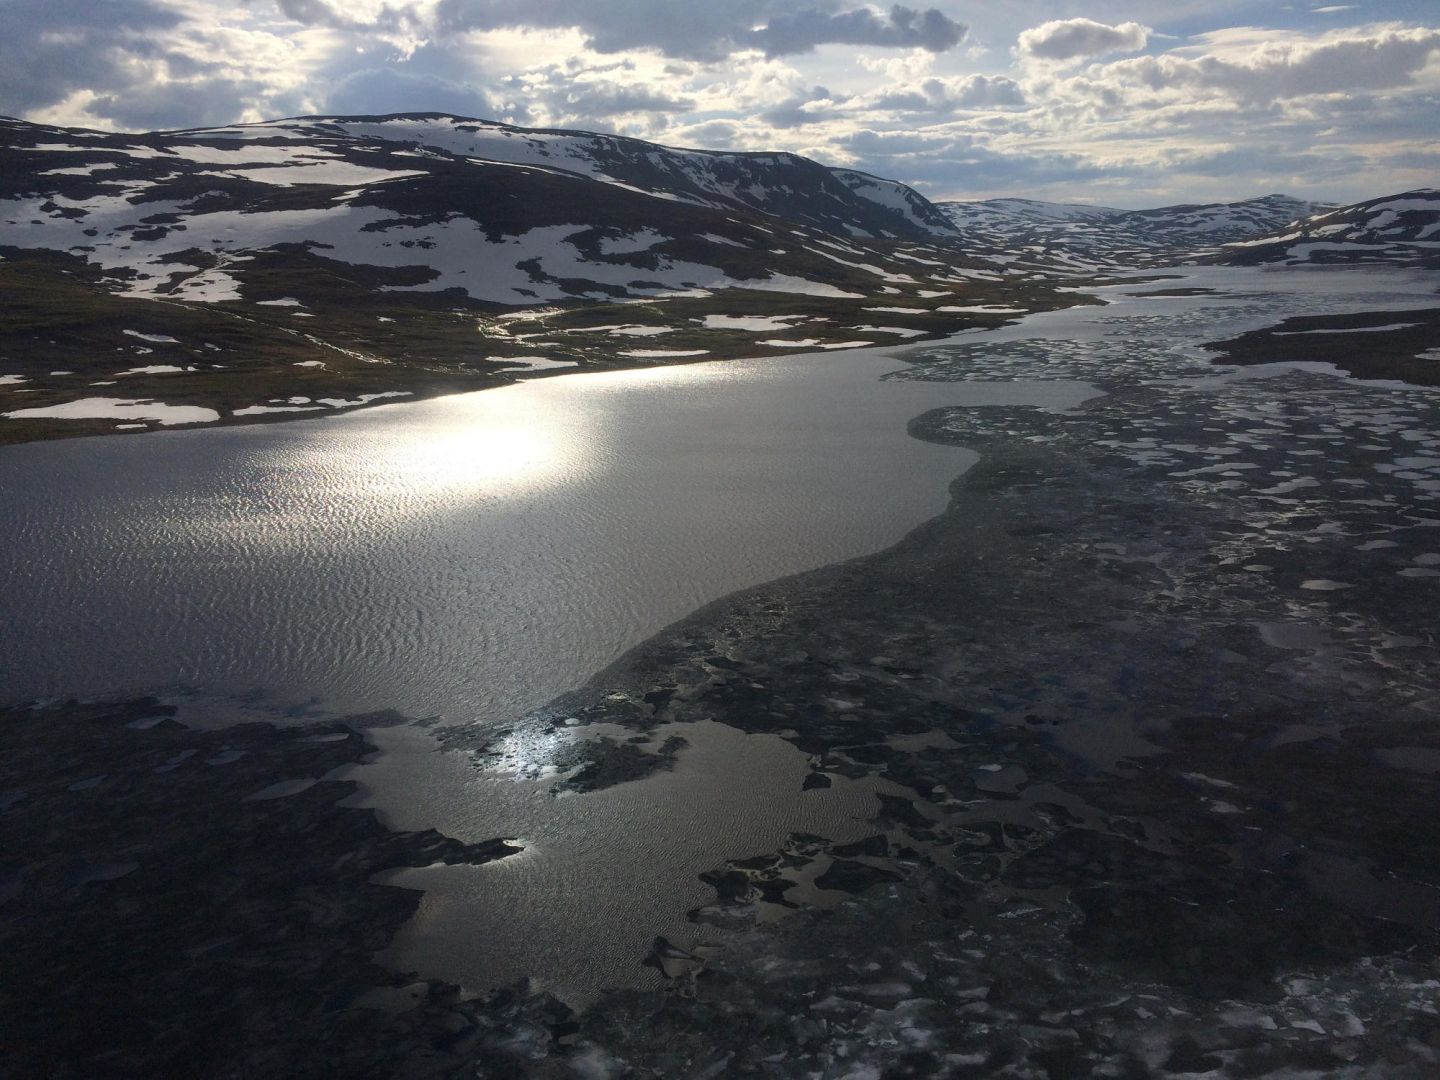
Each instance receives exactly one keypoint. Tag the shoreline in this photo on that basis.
(445, 355)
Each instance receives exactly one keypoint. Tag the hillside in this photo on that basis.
(1399, 229)
(300, 266)
(781, 185)
(1079, 238)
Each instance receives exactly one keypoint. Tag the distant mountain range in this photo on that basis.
(1080, 238)
(324, 263)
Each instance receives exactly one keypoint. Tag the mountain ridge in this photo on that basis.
(1079, 238)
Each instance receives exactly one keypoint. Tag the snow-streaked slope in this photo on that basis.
(1077, 237)
(895, 196)
(495, 214)
(1403, 228)
(780, 185)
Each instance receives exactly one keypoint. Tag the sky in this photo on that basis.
(1115, 102)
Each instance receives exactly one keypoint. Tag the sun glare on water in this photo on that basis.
(474, 445)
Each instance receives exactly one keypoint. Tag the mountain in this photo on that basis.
(1397, 229)
(1080, 238)
(500, 215)
(319, 263)
(781, 185)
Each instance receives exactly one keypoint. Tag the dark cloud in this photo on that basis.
(1416, 159)
(714, 135)
(52, 48)
(1270, 166)
(574, 93)
(176, 105)
(612, 99)
(684, 30)
(904, 28)
(943, 96)
(943, 165)
(793, 111)
(325, 13)
(1066, 39)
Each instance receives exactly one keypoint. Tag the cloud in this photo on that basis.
(379, 90)
(598, 96)
(949, 95)
(708, 31)
(53, 48)
(384, 18)
(1344, 62)
(904, 28)
(805, 107)
(1068, 39)
(207, 103)
(614, 99)
(945, 162)
(713, 135)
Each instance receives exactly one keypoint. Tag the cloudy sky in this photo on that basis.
(1109, 101)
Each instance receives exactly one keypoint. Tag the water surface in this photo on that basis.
(471, 556)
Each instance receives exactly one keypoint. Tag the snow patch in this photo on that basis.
(748, 322)
(649, 353)
(101, 408)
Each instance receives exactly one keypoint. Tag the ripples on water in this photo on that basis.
(473, 555)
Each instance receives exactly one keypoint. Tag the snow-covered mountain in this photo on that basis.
(1081, 238)
(262, 269)
(503, 215)
(781, 185)
(1397, 229)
